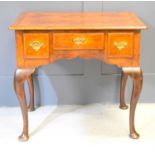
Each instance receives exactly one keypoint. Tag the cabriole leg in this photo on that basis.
(19, 78)
(31, 91)
(137, 77)
(124, 77)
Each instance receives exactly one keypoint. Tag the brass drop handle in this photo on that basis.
(36, 45)
(79, 40)
(120, 45)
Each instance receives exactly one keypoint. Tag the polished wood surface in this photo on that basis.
(36, 45)
(42, 38)
(137, 78)
(31, 90)
(35, 48)
(77, 21)
(124, 77)
(20, 76)
(121, 45)
(76, 41)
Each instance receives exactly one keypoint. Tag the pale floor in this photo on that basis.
(92, 129)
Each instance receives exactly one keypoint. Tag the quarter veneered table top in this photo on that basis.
(78, 21)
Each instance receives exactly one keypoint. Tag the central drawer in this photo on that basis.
(78, 41)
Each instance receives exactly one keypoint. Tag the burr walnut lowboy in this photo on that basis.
(44, 37)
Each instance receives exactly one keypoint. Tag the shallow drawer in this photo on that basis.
(120, 45)
(78, 41)
(36, 45)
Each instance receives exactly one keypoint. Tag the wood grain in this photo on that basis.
(42, 38)
(63, 47)
(67, 41)
(114, 39)
(136, 75)
(19, 78)
(78, 21)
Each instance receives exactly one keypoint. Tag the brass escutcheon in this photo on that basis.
(79, 41)
(36, 45)
(120, 45)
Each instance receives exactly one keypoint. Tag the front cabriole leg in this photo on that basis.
(19, 78)
(137, 76)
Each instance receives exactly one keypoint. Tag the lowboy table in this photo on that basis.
(43, 37)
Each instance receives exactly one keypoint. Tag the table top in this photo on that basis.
(78, 21)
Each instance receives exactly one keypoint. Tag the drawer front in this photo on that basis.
(78, 41)
(120, 45)
(36, 45)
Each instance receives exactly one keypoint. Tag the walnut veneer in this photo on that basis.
(42, 38)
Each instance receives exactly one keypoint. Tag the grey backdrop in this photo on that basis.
(76, 81)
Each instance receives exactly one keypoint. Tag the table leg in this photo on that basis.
(31, 90)
(124, 77)
(19, 78)
(137, 77)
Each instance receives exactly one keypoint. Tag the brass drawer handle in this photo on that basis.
(79, 41)
(36, 45)
(120, 45)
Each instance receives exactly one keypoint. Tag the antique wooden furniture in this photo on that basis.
(42, 38)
